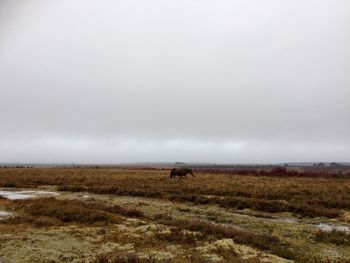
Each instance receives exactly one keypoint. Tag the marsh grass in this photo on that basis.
(176, 235)
(312, 197)
(128, 212)
(51, 211)
(265, 242)
(207, 230)
(307, 197)
(334, 236)
(122, 257)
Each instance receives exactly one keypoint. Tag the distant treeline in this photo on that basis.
(282, 171)
(16, 166)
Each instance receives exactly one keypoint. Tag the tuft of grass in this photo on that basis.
(177, 236)
(260, 241)
(318, 259)
(128, 212)
(120, 257)
(66, 211)
(334, 236)
(51, 211)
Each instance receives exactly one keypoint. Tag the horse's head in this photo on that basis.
(191, 172)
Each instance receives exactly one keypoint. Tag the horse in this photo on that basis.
(181, 172)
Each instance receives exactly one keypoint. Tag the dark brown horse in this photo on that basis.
(181, 172)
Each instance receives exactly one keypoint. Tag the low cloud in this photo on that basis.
(129, 81)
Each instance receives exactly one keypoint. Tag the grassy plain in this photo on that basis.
(141, 215)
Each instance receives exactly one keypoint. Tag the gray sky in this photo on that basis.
(174, 80)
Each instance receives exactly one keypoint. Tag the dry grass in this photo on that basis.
(176, 235)
(50, 212)
(273, 171)
(304, 196)
(310, 197)
(335, 237)
(210, 230)
(120, 257)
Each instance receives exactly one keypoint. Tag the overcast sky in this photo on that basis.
(174, 80)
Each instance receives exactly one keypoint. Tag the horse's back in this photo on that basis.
(180, 171)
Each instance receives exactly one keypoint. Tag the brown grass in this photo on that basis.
(311, 197)
(278, 171)
(176, 235)
(335, 237)
(120, 257)
(206, 230)
(50, 211)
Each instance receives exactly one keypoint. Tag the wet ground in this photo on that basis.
(82, 244)
(15, 194)
(5, 214)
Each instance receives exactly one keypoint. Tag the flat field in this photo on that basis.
(142, 215)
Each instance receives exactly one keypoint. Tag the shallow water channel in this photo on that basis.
(25, 194)
(4, 214)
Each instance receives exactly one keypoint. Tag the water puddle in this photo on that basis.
(25, 194)
(4, 214)
(327, 227)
